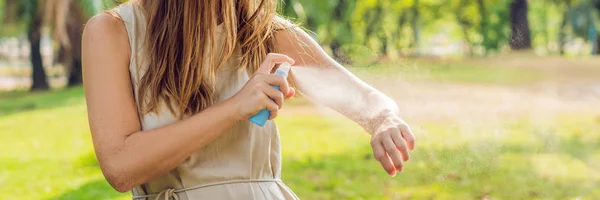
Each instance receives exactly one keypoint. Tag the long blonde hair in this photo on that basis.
(181, 37)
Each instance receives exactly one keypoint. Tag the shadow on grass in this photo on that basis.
(22, 101)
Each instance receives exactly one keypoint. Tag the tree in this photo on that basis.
(340, 24)
(596, 48)
(401, 20)
(374, 16)
(563, 24)
(584, 20)
(35, 35)
(66, 17)
(483, 23)
(465, 22)
(416, 26)
(27, 16)
(520, 37)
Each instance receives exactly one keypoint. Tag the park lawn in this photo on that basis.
(46, 153)
(517, 159)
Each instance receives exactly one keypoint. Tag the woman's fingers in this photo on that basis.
(382, 157)
(279, 81)
(275, 95)
(392, 151)
(291, 93)
(400, 145)
(271, 60)
(408, 135)
(391, 145)
(273, 98)
(272, 107)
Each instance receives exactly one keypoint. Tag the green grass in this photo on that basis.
(518, 159)
(45, 148)
(46, 153)
(19, 101)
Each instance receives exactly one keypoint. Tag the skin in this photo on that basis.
(392, 138)
(129, 156)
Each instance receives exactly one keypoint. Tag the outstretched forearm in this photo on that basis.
(335, 87)
(319, 77)
(322, 79)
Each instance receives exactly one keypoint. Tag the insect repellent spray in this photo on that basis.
(261, 117)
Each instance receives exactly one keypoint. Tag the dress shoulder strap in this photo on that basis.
(135, 21)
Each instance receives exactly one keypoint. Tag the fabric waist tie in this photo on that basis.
(171, 193)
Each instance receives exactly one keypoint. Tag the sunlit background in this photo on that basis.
(503, 96)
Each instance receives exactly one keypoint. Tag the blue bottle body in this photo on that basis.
(261, 117)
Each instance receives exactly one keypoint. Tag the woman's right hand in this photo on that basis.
(258, 92)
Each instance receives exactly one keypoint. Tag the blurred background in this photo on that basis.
(503, 96)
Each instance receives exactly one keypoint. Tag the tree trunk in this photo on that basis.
(384, 44)
(374, 23)
(597, 45)
(39, 78)
(370, 26)
(520, 37)
(483, 24)
(336, 44)
(545, 30)
(398, 33)
(562, 34)
(562, 30)
(416, 27)
(338, 52)
(11, 10)
(467, 38)
(75, 21)
(596, 49)
(464, 25)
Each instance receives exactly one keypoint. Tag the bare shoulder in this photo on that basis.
(105, 37)
(105, 22)
(298, 44)
(293, 36)
(106, 28)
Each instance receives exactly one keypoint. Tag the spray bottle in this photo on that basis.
(262, 116)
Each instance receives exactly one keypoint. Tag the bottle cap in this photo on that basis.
(284, 69)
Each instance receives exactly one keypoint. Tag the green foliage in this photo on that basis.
(16, 16)
(93, 7)
(393, 26)
(386, 25)
(583, 16)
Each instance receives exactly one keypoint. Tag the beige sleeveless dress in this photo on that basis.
(243, 163)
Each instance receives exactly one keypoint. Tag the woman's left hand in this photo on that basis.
(391, 142)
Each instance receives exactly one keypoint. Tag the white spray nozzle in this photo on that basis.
(284, 69)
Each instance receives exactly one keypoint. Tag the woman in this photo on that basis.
(170, 88)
